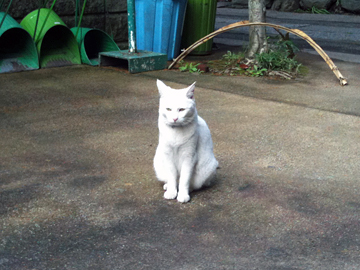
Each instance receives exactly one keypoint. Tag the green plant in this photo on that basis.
(299, 10)
(315, 10)
(233, 56)
(281, 56)
(256, 71)
(189, 67)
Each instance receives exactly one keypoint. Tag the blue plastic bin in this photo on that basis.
(159, 25)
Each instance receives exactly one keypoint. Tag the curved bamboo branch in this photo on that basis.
(296, 32)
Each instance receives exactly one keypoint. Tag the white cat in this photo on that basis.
(184, 158)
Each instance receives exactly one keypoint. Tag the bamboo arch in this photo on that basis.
(296, 32)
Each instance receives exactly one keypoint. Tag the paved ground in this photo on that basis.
(78, 189)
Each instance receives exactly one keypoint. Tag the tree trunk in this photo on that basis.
(257, 34)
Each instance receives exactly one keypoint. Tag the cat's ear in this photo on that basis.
(190, 91)
(162, 87)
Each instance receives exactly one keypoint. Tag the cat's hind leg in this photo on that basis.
(204, 177)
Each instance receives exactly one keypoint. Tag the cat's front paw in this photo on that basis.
(170, 194)
(183, 197)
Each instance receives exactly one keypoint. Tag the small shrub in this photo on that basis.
(314, 10)
(256, 71)
(279, 57)
(190, 67)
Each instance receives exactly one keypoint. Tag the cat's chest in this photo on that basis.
(178, 136)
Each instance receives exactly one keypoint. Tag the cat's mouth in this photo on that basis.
(175, 124)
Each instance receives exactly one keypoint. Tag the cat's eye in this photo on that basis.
(182, 109)
(168, 109)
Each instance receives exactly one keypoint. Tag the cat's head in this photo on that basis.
(177, 106)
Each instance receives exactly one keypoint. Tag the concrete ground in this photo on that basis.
(78, 189)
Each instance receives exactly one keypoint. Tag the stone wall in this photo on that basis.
(107, 15)
(338, 6)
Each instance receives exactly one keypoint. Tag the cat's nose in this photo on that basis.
(175, 119)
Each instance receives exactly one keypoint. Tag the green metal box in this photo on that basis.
(135, 62)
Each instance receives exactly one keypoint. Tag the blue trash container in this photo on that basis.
(159, 25)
